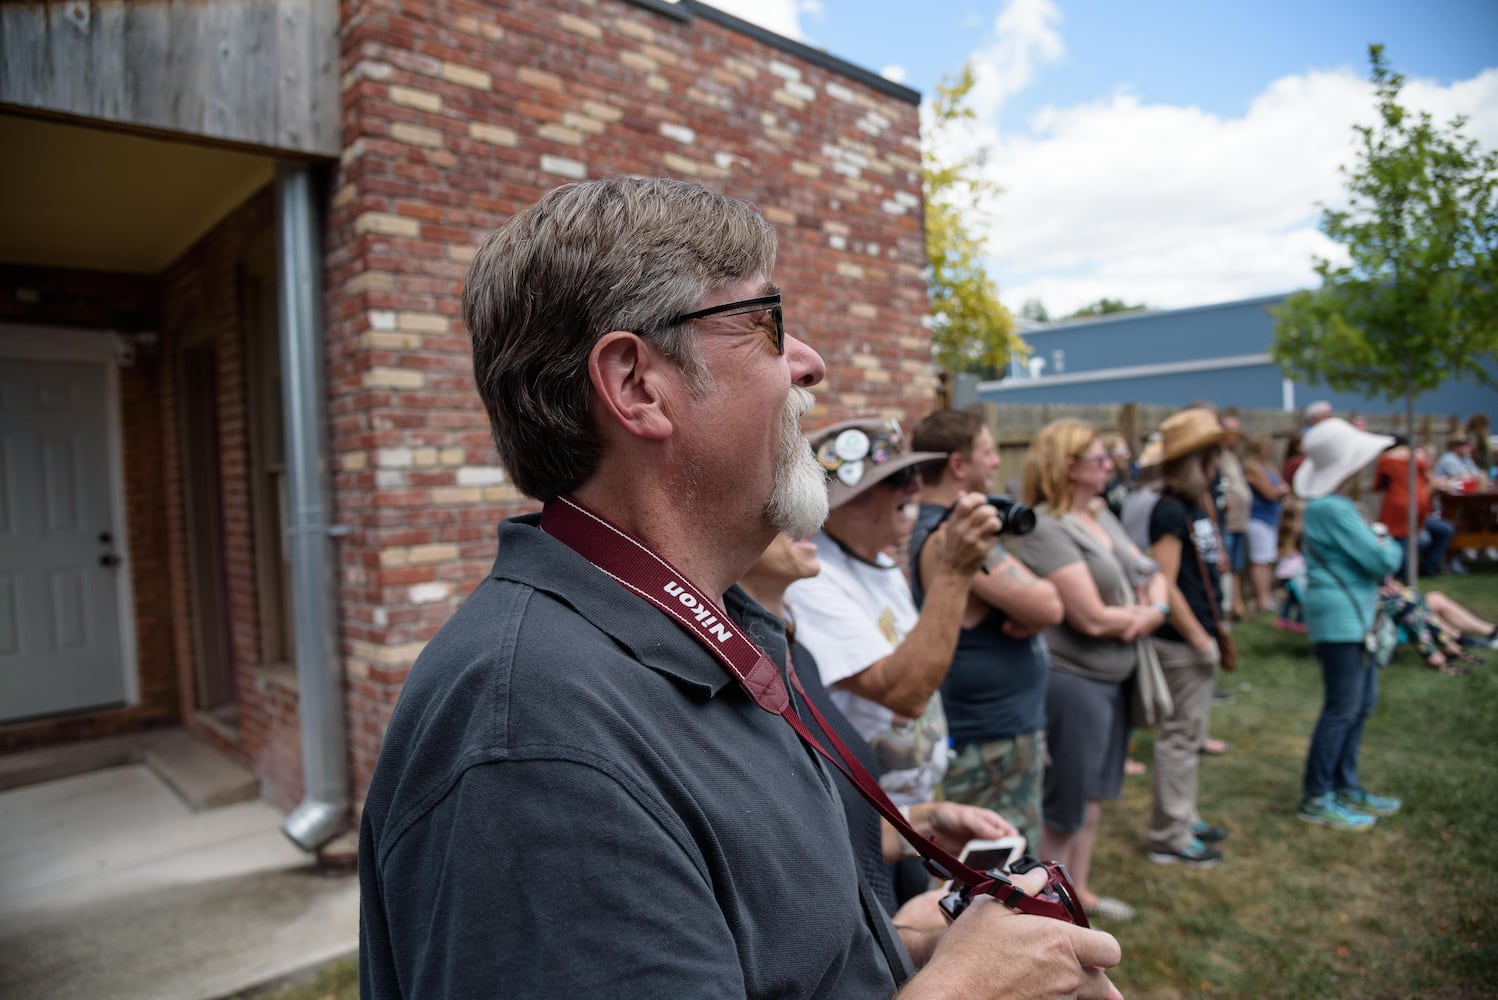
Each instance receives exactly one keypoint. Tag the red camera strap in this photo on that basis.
(636, 568)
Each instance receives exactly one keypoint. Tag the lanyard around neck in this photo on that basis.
(636, 568)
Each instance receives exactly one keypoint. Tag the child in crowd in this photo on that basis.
(1441, 629)
(1290, 570)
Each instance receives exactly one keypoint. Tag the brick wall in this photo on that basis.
(201, 292)
(122, 302)
(457, 114)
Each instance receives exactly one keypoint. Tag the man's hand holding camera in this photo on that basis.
(992, 951)
(966, 536)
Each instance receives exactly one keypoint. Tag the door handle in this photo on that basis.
(109, 559)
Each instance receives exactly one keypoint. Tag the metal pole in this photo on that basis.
(324, 809)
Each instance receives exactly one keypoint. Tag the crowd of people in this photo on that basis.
(730, 700)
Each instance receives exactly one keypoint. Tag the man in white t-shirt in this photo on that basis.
(881, 660)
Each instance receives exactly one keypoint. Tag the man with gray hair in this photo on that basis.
(584, 790)
(1315, 413)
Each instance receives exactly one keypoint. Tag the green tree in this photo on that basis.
(1106, 307)
(1417, 301)
(971, 331)
(1035, 310)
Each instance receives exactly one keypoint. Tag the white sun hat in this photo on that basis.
(1335, 450)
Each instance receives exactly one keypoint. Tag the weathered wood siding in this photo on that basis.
(263, 72)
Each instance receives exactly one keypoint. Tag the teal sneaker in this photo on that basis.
(1195, 855)
(1327, 811)
(1367, 802)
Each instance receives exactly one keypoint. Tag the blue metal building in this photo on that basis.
(1217, 352)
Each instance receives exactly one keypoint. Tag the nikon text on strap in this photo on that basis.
(635, 567)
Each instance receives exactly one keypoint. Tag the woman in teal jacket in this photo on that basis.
(1346, 559)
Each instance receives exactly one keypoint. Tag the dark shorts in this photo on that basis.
(1237, 548)
(1086, 737)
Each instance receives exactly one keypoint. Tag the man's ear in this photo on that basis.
(954, 465)
(628, 377)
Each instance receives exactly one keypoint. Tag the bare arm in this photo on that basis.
(1028, 600)
(904, 680)
(1086, 611)
(1259, 480)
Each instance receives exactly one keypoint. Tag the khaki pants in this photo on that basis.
(1178, 741)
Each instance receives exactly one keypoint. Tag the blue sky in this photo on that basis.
(1171, 153)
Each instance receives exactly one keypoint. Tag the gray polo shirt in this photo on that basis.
(574, 799)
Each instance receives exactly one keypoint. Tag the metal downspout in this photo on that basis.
(323, 812)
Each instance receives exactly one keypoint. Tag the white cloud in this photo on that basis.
(1171, 205)
(780, 16)
(895, 74)
(1024, 37)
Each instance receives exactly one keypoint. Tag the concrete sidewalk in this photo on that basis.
(111, 885)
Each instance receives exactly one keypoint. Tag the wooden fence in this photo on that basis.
(1015, 424)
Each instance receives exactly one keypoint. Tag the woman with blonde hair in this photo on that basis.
(1113, 599)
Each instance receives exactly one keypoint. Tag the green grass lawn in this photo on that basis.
(1408, 909)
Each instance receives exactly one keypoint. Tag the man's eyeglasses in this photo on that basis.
(762, 303)
(899, 480)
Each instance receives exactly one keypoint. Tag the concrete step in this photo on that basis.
(199, 774)
(32, 767)
(203, 777)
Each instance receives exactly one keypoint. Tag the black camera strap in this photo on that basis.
(636, 568)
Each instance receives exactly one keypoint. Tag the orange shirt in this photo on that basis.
(1392, 475)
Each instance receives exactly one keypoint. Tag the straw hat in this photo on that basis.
(1152, 454)
(861, 452)
(1334, 450)
(1188, 431)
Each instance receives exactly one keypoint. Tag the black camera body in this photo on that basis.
(1018, 519)
(1058, 900)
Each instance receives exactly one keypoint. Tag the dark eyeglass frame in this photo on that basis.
(760, 303)
(901, 479)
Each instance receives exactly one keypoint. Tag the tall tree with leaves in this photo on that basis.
(970, 329)
(1417, 302)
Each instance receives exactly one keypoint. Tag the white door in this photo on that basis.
(60, 640)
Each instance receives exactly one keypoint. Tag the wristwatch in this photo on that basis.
(1163, 608)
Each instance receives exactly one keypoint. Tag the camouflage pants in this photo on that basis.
(1003, 775)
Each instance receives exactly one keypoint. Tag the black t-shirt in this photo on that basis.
(1219, 490)
(1186, 520)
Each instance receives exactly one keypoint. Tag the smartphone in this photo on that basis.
(996, 853)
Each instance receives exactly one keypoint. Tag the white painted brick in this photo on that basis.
(798, 89)
(389, 479)
(382, 319)
(480, 475)
(907, 198)
(838, 91)
(680, 133)
(393, 458)
(564, 167)
(785, 70)
(368, 69)
(893, 207)
(427, 593)
(837, 242)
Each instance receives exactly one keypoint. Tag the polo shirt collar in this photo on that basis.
(529, 556)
